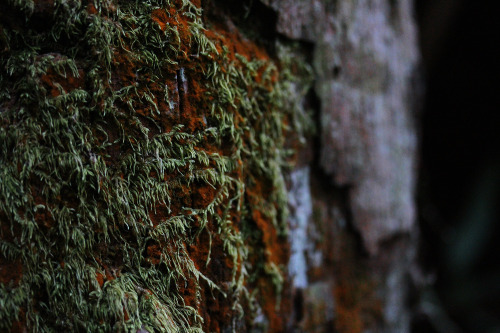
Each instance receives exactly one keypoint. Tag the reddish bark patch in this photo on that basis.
(178, 21)
(110, 273)
(275, 250)
(357, 305)
(215, 309)
(100, 279)
(126, 316)
(124, 72)
(160, 16)
(348, 312)
(154, 252)
(53, 81)
(91, 9)
(229, 37)
(203, 195)
(276, 247)
(159, 214)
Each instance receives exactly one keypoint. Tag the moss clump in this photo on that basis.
(134, 148)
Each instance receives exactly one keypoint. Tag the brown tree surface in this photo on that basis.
(215, 166)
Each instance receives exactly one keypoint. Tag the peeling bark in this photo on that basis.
(365, 58)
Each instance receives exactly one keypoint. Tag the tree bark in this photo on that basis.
(208, 166)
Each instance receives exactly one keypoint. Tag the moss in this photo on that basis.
(131, 139)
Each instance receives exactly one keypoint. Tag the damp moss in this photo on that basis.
(137, 143)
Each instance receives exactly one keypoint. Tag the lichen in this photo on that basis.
(137, 149)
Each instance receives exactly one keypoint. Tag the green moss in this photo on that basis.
(87, 160)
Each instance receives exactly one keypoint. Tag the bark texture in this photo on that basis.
(160, 171)
(363, 180)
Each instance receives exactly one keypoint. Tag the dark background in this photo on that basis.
(459, 178)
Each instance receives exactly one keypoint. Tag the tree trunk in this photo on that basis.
(208, 166)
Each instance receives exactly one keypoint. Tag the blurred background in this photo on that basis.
(459, 181)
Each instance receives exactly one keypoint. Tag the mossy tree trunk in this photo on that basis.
(215, 166)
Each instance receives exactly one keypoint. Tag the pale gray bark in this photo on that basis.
(365, 58)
